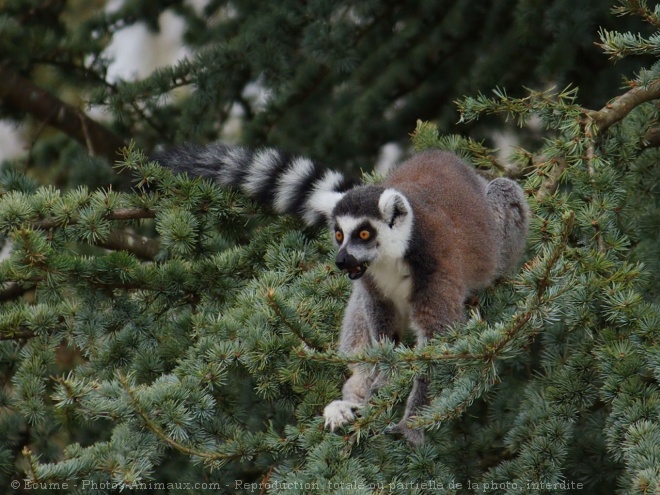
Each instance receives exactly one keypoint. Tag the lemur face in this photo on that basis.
(370, 224)
(357, 239)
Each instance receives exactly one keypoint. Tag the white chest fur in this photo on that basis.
(392, 278)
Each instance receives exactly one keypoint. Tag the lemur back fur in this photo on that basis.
(415, 246)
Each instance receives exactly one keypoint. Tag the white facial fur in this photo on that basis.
(387, 265)
(393, 229)
(362, 252)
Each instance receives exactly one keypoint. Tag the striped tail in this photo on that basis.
(289, 185)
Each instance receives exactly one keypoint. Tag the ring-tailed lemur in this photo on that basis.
(415, 246)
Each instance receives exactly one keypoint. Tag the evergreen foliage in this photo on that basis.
(177, 339)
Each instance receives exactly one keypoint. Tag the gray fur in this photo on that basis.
(360, 201)
(416, 246)
(511, 213)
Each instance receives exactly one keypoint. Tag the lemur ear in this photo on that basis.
(394, 207)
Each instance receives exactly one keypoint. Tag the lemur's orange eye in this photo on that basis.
(365, 234)
(339, 235)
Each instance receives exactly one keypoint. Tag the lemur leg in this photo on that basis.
(366, 321)
(418, 397)
(430, 317)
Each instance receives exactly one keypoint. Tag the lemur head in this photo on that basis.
(370, 223)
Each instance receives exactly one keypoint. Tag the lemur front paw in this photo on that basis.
(338, 413)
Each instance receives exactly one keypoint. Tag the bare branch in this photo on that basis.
(13, 290)
(651, 139)
(20, 334)
(118, 214)
(142, 247)
(19, 93)
(621, 106)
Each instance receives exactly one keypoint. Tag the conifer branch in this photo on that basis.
(20, 93)
(142, 247)
(621, 106)
(122, 240)
(154, 428)
(640, 9)
(270, 295)
(117, 214)
(32, 462)
(475, 391)
(265, 481)
(157, 430)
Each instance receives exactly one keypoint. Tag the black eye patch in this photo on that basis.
(364, 232)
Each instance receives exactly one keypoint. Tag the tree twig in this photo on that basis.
(551, 182)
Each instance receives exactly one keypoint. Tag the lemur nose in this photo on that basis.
(344, 261)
